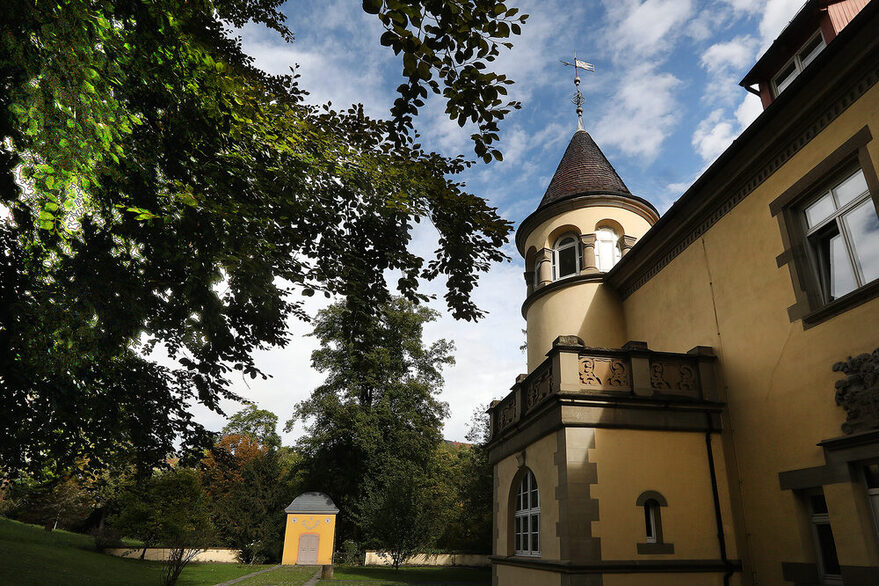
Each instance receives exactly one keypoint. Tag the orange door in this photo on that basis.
(307, 549)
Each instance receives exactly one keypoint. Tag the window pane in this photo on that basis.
(863, 226)
(819, 210)
(534, 502)
(871, 473)
(535, 532)
(648, 521)
(787, 75)
(567, 261)
(828, 548)
(850, 188)
(811, 50)
(835, 267)
(565, 242)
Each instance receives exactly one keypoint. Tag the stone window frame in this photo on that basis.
(810, 306)
(651, 502)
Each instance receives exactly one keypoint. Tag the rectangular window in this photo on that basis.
(828, 562)
(842, 231)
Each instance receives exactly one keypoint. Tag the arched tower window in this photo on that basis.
(526, 524)
(650, 502)
(565, 257)
(607, 249)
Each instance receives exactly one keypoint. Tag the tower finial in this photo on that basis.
(578, 98)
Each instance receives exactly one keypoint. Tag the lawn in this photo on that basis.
(375, 576)
(31, 556)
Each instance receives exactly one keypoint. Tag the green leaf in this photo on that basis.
(372, 6)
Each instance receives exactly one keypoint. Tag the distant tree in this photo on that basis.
(63, 502)
(248, 486)
(172, 511)
(259, 424)
(403, 509)
(477, 487)
(378, 406)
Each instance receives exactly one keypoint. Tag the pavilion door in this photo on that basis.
(307, 549)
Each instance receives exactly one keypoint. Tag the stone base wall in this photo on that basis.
(377, 558)
(158, 554)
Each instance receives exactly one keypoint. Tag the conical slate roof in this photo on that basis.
(584, 169)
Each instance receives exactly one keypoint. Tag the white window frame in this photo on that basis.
(526, 515)
(822, 518)
(817, 234)
(607, 243)
(558, 248)
(799, 61)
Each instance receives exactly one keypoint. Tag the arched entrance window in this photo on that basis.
(607, 249)
(527, 516)
(565, 257)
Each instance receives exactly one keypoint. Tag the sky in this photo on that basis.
(662, 104)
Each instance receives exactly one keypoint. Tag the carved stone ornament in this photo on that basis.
(539, 389)
(858, 392)
(607, 373)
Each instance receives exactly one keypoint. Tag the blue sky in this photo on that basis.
(663, 103)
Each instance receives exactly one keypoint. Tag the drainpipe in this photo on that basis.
(718, 516)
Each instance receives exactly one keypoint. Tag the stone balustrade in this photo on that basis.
(574, 370)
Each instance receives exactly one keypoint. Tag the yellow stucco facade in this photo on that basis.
(682, 417)
(310, 530)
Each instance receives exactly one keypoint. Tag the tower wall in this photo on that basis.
(579, 305)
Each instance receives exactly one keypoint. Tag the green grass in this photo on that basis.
(409, 575)
(31, 556)
(286, 576)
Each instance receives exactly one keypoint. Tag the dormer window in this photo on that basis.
(800, 61)
(565, 257)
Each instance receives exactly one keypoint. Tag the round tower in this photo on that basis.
(585, 223)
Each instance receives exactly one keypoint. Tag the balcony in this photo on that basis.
(630, 387)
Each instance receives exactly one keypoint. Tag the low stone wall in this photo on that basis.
(377, 558)
(158, 554)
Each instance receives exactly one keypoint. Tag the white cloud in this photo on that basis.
(776, 15)
(734, 54)
(748, 110)
(745, 5)
(641, 28)
(713, 135)
(643, 114)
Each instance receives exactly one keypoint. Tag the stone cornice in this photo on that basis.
(626, 201)
(841, 74)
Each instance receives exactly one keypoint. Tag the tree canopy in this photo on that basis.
(378, 409)
(165, 193)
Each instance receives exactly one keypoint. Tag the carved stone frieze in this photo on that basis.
(604, 372)
(669, 375)
(858, 392)
(538, 389)
(506, 414)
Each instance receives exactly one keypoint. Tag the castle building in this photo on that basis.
(701, 405)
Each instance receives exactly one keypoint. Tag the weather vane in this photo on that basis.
(578, 98)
